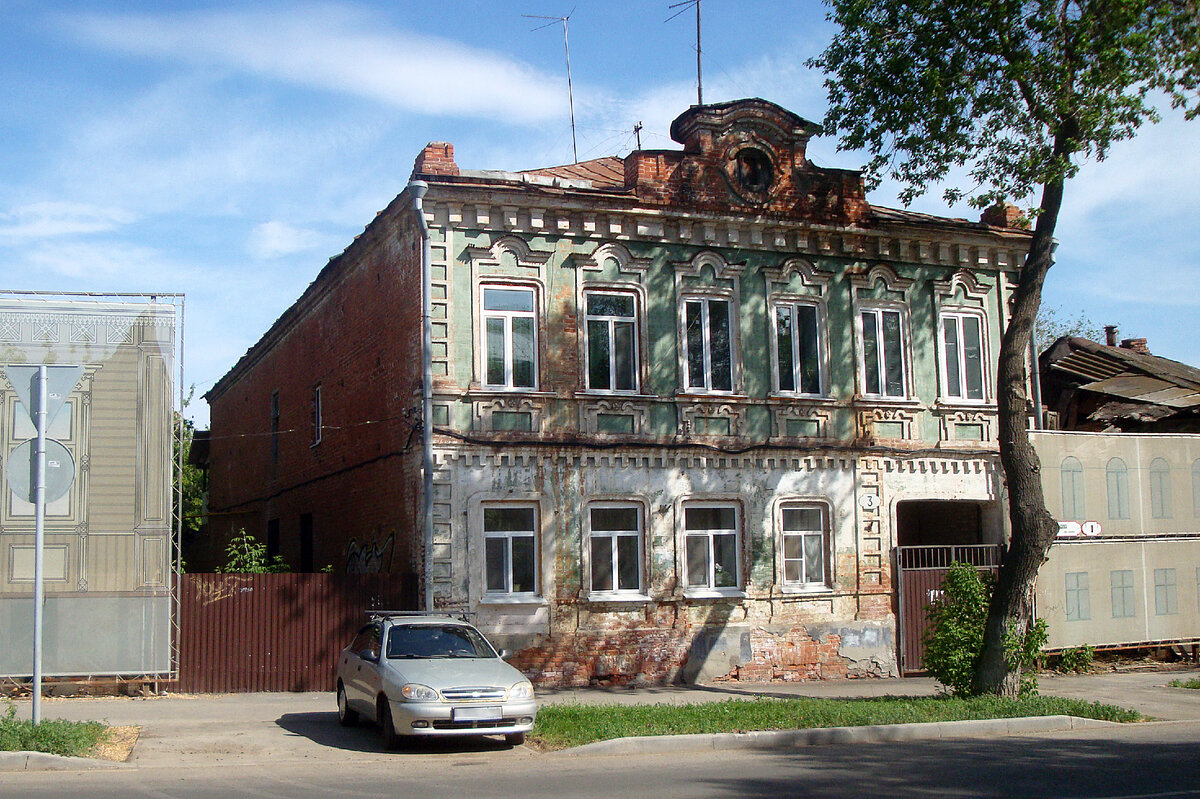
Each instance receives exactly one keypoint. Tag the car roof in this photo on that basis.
(422, 618)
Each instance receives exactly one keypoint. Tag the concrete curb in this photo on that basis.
(40, 761)
(824, 736)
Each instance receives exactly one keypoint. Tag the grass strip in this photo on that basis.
(1192, 683)
(562, 726)
(54, 736)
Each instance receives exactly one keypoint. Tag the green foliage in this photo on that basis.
(1053, 323)
(1193, 683)
(247, 555)
(1077, 659)
(954, 639)
(189, 482)
(572, 724)
(955, 634)
(57, 737)
(1014, 92)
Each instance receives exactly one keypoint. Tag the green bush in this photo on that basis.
(55, 736)
(247, 555)
(954, 639)
(1077, 659)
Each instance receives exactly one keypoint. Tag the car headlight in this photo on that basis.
(415, 692)
(521, 690)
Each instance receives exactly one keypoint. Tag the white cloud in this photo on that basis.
(275, 239)
(104, 266)
(336, 48)
(53, 219)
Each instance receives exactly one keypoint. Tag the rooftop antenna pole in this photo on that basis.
(570, 90)
(637, 131)
(683, 6)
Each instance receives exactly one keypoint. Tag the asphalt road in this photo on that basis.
(1144, 761)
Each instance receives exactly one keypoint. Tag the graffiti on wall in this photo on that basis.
(370, 557)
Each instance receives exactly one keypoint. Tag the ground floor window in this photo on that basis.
(616, 548)
(712, 540)
(805, 542)
(510, 549)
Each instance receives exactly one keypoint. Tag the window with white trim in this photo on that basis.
(964, 354)
(510, 550)
(712, 541)
(797, 343)
(708, 344)
(615, 536)
(805, 528)
(508, 326)
(611, 329)
(883, 360)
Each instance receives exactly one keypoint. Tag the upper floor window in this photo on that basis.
(612, 341)
(1166, 596)
(883, 362)
(1078, 597)
(963, 356)
(707, 340)
(318, 423)
(509, 328)
(1072, 488)
(615, 531)
(712, 538)
(1160, 489)
(1116, 474)
(273, 413)
(805, 544)
(797, 348)
(510, 549)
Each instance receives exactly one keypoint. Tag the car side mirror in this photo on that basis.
(504, 654)
(369, 654)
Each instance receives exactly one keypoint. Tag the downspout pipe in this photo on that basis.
(418, 188)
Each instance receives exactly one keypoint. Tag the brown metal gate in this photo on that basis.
(920, 571)
(275, 632)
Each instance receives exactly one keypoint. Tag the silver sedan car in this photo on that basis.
(422, 675)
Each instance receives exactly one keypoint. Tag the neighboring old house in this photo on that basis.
(687, 404)
(1125, 487)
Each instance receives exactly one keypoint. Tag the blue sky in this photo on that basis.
(228, 150)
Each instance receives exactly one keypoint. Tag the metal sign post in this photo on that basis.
(42, 390)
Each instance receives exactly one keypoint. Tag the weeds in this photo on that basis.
(55, 736)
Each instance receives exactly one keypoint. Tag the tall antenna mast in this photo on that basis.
(683, 6)
(570, 90)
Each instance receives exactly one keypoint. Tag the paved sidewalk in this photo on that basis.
(182, 731)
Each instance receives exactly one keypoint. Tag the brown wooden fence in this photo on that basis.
(274, 632)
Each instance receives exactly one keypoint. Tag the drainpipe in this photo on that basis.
(1035, 377)
(418, 189)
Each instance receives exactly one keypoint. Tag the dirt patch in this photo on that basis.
(118, 746)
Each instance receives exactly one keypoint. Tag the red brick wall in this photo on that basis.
(356, 333)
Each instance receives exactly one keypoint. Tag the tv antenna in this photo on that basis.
(567, 49)
(684, 6)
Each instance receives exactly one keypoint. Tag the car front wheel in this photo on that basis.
(514, 738)
(346, 716)
(391, 739)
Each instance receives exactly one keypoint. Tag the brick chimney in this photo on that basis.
(436, 159)
(1005, 215)
(1110, 335)
(1138, 345)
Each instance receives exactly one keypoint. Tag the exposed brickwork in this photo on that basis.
(1005, 215)
(436, 159)
(348, 334)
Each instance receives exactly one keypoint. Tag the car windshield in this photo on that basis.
(437, 641)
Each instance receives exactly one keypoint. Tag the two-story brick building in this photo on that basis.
(686, 404)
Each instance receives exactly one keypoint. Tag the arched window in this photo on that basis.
(1160, 488)
(1117, 477)
(1072, 489)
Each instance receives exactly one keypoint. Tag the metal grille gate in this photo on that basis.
(920, 571)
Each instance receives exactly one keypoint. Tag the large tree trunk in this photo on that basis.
(1033, 528)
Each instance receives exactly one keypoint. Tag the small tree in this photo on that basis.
(1053, 323)
(1017, 93)
(954, 639)
(247, 555)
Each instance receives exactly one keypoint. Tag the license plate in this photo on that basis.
(475, 713)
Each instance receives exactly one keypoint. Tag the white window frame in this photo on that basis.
(611, 323)
(876, 310)
(789, 305)
(507, 318)
(709, 588)
(824, 534)
(959, 315)
(706, 301)
(507, 536)
(615, 592)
